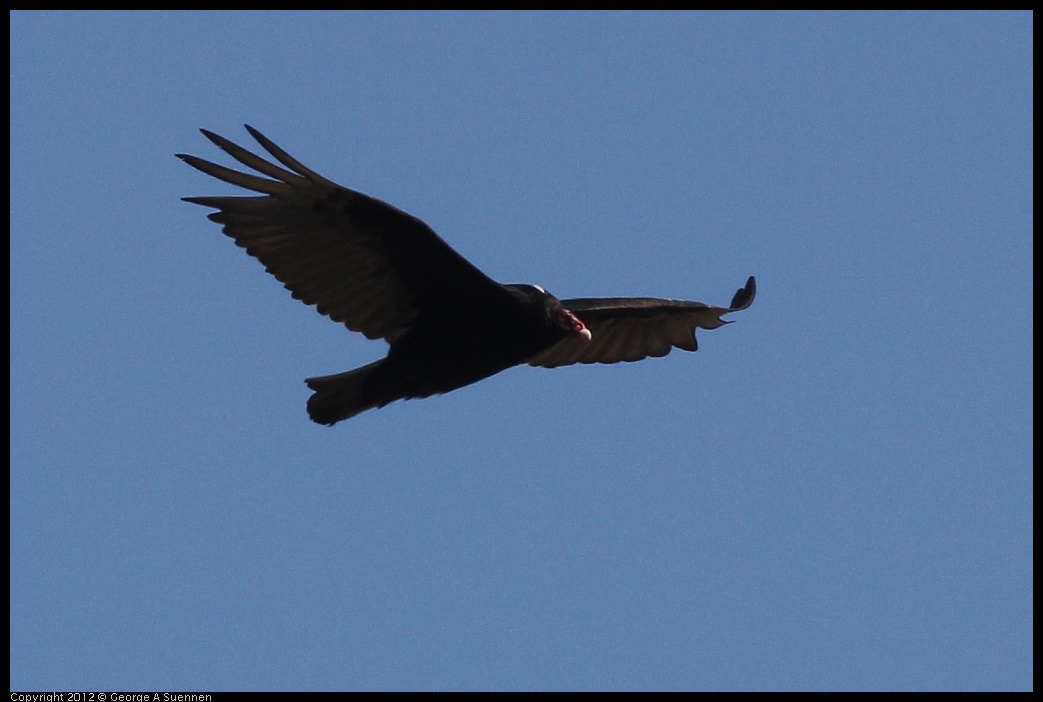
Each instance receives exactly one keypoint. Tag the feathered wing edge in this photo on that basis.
(301, 175)
(328, 263)
(360, 261)
(743, 297)
(630, 329)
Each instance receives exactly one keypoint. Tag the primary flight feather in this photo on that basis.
(386, 274)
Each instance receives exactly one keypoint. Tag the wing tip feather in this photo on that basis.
(744, 296)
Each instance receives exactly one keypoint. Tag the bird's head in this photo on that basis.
(557, 314)
(569, 322)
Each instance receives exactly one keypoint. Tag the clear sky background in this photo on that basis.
(835, 492)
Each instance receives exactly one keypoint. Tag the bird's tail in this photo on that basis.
(341, 396)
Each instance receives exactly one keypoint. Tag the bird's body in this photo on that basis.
(386, 274)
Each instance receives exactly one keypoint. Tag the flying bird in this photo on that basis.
(382, 272)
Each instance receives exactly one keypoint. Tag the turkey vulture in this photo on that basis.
(385, 273)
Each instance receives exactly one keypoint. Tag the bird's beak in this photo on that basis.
(571, 323)
(575, 326)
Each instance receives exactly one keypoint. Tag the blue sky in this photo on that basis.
(835, 492)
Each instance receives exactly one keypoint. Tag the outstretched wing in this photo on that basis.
(360, 261)
(632, 328)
